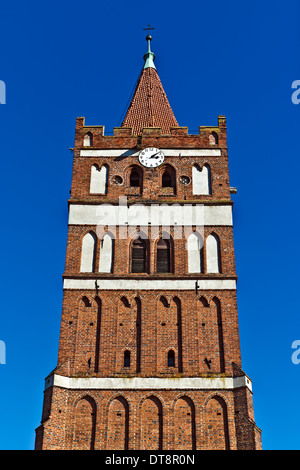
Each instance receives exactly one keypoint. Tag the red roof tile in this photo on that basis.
(149, 106)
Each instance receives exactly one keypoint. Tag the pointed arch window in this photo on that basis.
(99, 179)
(106, 254)
(201, 180)
(171, 358)
(213, 261)
(163, 259)
(168, 179)
(195, 244)
(88, 252)
(213, 138)
(136, 177)
(138, 258)
(88, 140)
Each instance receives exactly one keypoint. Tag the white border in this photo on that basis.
(150, 284)
(148, 383)
(154, 214)
(134, 153)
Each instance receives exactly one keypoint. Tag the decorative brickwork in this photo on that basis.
(149, 353)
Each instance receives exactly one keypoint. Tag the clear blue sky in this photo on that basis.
(60, 60)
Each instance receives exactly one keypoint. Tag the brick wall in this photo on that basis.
(200, 326)
(148, 420)
(97, 327)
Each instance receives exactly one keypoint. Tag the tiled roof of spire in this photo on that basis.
(149, 106)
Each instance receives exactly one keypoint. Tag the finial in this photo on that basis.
(149, 56)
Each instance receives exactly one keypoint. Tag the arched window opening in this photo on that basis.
(106, 254)
(163, 256)
(213, 254)
(184, 413)
(88, 140)
(171, 358)
(138, 261)
(135, 178)
(117, 437)
(88, 253)
(201, 180)
(217, 433)
(99, 179)
(213, 138)
(85, 424)
(166, 180)
(152, 428)
(127, 359)
(195, 253)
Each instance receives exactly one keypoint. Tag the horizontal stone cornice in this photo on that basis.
(148, 383)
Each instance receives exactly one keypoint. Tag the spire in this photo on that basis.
(149, 106)
(149, 56)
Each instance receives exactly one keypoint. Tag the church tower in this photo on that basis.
(149, 352)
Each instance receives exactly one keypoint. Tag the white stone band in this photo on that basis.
(167, 153)
(154, 215)
(150, 284)
(148, 383)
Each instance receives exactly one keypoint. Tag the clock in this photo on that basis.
(151, 157)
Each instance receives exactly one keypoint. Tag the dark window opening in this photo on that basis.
(171, 358)
(138, 264)
(167, 180)
(127, 359)
(163, 256)
(134, 179)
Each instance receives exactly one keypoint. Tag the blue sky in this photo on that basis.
(60, 60)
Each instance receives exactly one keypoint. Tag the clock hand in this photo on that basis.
(153, 156)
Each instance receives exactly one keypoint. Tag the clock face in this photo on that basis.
(151, 157)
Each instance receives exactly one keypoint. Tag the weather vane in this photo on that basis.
(149, 27)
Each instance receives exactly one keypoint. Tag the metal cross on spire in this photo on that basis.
(149, 56)
(148, 29)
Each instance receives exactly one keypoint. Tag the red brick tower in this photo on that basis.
(149, 354)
